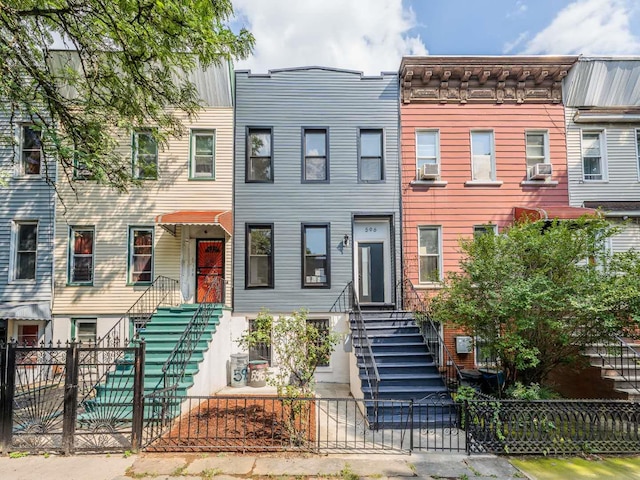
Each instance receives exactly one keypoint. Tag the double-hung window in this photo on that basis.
(427, 154)
(371, 158)
(259, 155)
(479, 230)
(26, 250)
(140, 255)
(259, 261)
(316, 160)
(81, 253)
(30, 151)
(203, 154)
(537, 150)
(429, 254)
(593, 167)
(483, 156)
(321, 327)
(315, 255)
(84, 330)
(145, 155)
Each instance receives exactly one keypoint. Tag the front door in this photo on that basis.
(209, 269)
(371, 272)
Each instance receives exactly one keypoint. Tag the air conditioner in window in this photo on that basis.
(429, 171)
(540, 171)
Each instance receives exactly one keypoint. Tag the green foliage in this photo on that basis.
(18, 454)
(539, 292)
(127, 66)
(534, 391)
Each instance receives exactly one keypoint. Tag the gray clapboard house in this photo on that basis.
(602, 112)
(316, 194)
(26, 233)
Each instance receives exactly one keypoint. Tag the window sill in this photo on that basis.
(31, 281)
(199, 179)
(428, 183)
(76, 284)
(258, 287)
(429, 286)
(593, 181)
(538, 183)
(483, 183)
(138, 284)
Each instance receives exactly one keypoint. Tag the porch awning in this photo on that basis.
(25, 311)
(556, 212)
(619, 208)
(221, 218)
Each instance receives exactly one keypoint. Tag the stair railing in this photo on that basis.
(623, 358)
(344, 301)
(176, 365)
(163, 291)
(441, 354)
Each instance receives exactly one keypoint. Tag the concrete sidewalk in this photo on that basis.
(236, 466)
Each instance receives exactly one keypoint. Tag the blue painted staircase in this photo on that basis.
(114, 396)
(407, 372)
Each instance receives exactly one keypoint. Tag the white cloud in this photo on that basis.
(369, 35)
(509, 47)
(520, 9)
(591, 27)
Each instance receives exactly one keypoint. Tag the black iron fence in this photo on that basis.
(551, 427)
(260, 424)
(70, 398)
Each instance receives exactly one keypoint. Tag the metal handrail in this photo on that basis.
(162, 291)
(176, 364)
(626, 361)
(449, 370)
(366, 352)
(343, 303)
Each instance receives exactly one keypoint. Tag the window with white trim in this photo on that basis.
(429, 254)
(140, 255)
(203, 154)
(537, 150)
(482, 156)
(145, 155)
(592, 155)
(30, 150)
(81, 252)
(85, 330)
(25, 241)
(427, 151)
(479, 230)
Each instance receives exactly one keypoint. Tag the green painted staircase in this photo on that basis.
(112, 401)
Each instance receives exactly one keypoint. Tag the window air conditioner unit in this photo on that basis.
(464, 344)
(540, 171)
(429, 171)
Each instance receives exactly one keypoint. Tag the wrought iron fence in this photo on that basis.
(552, 427)
(164, 291)
(66, 398)
(260, 423)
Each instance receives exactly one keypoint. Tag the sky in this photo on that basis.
(373, 35)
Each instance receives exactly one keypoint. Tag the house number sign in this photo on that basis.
(370, 229)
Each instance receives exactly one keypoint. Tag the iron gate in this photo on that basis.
(70, 398)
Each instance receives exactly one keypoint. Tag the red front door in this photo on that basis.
(209, 269)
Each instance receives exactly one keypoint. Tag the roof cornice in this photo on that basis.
(514, 79)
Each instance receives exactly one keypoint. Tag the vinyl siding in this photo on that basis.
(456, 208)
(287, 101)
(25, 198)
(113, 213)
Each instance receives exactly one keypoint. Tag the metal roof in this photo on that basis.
(603, 82)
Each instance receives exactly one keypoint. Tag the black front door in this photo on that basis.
(371, 272)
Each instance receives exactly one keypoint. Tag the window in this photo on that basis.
(371, 162)
(482, 156)
(261, 351)
(429, 254)
(81, 255)
(479, 230)
(203, 154)
(315, 256)
(259, 262)
(28, 335)
(30, 151)
(140, 255)
(26, 250)
(316, 166)
(427, 151)
(537, 150)
(592, 161)
(322, 328)
(145, 155)
(84, 330)
(259, 155)
(80, 171)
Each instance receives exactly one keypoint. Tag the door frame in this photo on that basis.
(195, 270)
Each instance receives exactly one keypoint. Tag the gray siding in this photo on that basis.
(287, 101)
(603, 82)
(27, 199)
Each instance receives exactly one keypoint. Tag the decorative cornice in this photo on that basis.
(483, 79)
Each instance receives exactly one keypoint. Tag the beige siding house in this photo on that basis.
(110, 246)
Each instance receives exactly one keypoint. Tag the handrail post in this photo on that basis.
(138, 397)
